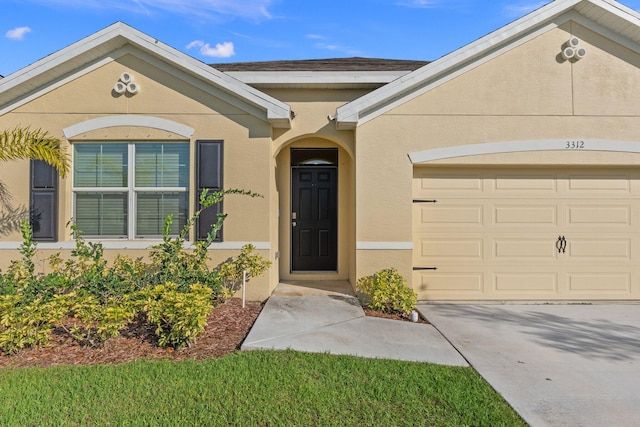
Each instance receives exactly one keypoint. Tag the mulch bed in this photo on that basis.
(227, 327)
(394, 316)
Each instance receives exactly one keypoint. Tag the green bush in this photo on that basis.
(231, 271)
(93, 301)
(93, 322)
(387, 291)
(24, 324)
(178, 316)
(172, 263)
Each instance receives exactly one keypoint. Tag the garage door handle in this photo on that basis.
(561, 244)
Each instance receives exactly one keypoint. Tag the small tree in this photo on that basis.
(232, 270)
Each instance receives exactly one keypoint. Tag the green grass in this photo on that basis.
(264, 388)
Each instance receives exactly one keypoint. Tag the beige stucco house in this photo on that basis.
(506, 170)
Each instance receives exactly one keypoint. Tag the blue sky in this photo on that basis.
(261, 30)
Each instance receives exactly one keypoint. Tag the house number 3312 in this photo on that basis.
(574, 145)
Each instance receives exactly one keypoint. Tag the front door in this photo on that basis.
(314, 218)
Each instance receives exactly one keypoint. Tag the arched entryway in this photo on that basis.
(315, 227)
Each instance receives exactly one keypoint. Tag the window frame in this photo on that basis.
(131, 190)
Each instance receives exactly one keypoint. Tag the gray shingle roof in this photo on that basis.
(331, 64)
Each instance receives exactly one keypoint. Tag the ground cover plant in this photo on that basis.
(92, 301)
(253, 388)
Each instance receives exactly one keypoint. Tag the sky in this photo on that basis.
(216, 31)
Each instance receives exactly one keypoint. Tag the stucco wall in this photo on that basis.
(527, 93)
(168, 94)
(311, 127)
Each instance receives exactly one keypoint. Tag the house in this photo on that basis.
(505, 170)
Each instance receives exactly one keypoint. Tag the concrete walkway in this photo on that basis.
(556, 365)
(326, 317)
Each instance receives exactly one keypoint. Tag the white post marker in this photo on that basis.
(244, 284)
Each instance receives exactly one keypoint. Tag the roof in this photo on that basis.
(604, 16)
(330, 64)
(120, 39)
(333, 73)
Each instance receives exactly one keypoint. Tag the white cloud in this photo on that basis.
(221, 50)
(315, 37)
(338, 48)
(420, 4)
(249, 9)
(521, 9)
(17, 33)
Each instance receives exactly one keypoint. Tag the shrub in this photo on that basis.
(173, 263)
(21, 273)
(87, 272)
(387, 290)
(24, 324)
(231, 271)
(93, 301)
(93, 321)
(179, 317)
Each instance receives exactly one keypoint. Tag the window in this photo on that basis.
(126, 190)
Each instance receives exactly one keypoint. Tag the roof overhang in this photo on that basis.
(606, 16)
(117, 40)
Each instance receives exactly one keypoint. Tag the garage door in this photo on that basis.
(526, 234)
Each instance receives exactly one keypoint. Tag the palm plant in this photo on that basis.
(27, 144)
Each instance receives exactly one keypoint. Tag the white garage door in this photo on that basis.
(526, 234)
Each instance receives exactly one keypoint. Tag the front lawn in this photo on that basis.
(252, 388)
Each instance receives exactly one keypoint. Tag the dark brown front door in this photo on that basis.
(314, 218)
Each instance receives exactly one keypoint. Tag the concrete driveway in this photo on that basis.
(557, 365)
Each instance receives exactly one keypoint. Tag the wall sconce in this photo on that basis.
(126, 84)
(573, 50)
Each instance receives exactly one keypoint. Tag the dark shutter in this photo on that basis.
(209, 176)
(43, 210)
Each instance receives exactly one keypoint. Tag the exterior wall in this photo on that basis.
(164, 95)
(527, 93)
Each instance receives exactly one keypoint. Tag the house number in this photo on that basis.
(574, 145)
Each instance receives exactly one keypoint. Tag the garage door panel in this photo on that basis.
(525, 282)
(523, 183)
(453, 215)
(448, 285)
(457, 249)
(524, 247)
(525, 214)
(600, 216)
(603, 248)
(603, 182)
(426, 183)
(599, 282)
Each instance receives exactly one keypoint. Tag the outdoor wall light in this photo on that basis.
(126, 84)
(573, 50)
